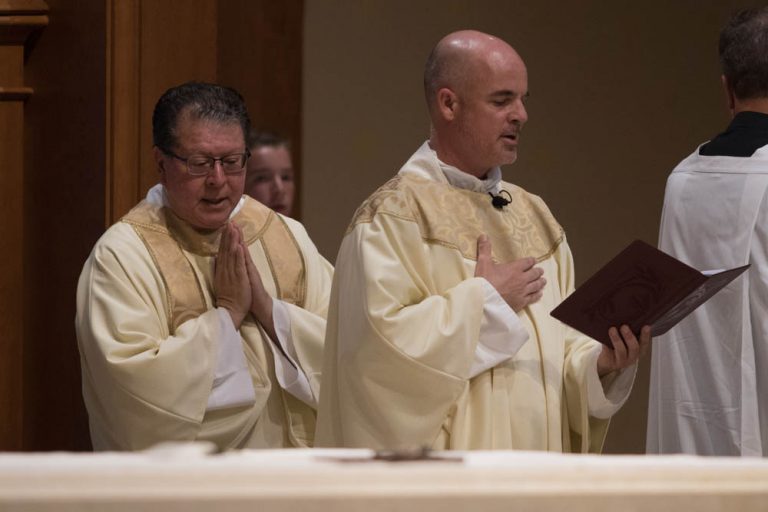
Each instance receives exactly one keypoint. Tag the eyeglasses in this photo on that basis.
(201, 165)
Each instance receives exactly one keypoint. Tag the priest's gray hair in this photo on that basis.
(202, 101)
(744, 53)
(443, 69)
(432, 71)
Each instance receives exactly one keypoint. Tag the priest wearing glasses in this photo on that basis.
(201, 313)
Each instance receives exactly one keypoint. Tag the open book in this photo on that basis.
(640, 286)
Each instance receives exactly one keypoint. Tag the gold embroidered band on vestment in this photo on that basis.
(455, 217)
(166, 237)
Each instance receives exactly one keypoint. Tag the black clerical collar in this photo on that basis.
(747, 133)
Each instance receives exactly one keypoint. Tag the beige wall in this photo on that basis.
(620, 92)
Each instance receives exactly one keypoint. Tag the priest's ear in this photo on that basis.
(159, 157)
(447, 104)
(730, 97)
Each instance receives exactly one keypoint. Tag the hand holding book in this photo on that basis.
(624, 350)
(640, 286)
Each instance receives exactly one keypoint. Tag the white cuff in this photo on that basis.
(605, 400)
(289, 373)
(502, 333)
(232, 384)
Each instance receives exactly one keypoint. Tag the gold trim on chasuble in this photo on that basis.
(166, 237)
(455, 217)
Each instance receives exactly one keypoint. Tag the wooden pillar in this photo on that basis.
(260, 45)
(20, 21)
(151, 46)
(123, 95)
(64, 157)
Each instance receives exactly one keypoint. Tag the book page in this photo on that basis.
(695, 299)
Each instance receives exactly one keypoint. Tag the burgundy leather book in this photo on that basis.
(640, 286)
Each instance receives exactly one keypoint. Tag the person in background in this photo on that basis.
(269, 178)
(709, 374)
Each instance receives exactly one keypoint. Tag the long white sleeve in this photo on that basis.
(232, 384)
(501, 332)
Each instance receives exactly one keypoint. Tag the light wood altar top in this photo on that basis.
(186, 478)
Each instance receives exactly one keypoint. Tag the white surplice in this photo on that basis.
(709, 379)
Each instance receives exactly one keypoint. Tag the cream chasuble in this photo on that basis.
(149, 332)
(405, 318)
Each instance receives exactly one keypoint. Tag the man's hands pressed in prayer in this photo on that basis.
(230, 278)
(518, 282)
(261, 305)
(237, 283)
(626, 349)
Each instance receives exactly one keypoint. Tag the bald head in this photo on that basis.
(459, 57)
(476, 86)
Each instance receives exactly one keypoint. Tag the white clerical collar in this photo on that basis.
(461, 179)
(157, 196)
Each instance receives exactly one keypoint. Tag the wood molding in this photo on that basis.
(23, 7)
(17, 28)
(15, 93)
(123, 107)
(20, 23)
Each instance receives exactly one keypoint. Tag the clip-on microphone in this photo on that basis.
(499, 201)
